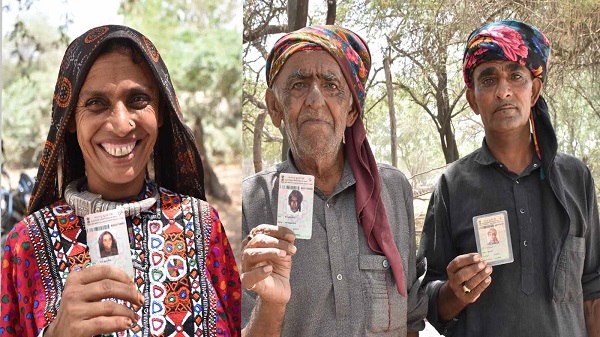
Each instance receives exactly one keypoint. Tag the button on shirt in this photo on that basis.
(340, 287)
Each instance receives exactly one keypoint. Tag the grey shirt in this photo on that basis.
(520, 300)
(340, 287)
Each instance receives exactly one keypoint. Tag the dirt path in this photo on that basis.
(231, 214)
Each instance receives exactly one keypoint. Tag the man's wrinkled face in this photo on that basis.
(314, 101)
(503, 93)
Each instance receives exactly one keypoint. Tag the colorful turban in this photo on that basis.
(348, 49)
(509, 41)
(352, 55)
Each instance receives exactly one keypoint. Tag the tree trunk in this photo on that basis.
(447, 137)
(297, 11)
(331, 11)
(211, 182)
(392, 110)
(257, 144)
(448, 140)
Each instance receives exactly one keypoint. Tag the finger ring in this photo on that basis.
(249, 237)
(465, 288)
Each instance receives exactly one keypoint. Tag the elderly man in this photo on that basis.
(357, 275)
(553, 285)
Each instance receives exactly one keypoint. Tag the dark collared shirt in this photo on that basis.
(518, 301)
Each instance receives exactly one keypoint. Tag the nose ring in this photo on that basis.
(131, 123)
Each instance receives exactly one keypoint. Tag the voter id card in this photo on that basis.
(295, 203)
(108, 240)
(492, 234)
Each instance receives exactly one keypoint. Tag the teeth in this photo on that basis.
(118, 150)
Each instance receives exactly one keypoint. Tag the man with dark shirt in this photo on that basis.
(553, 285)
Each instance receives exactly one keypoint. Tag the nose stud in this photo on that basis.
(131, 123)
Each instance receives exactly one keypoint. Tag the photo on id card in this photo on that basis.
(108, 240)
(492, 234)
(295, 203)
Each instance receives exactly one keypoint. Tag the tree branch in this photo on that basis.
(375, 104)
(463, 108)
(257, 103)
(256, 34)
(421, 104)
(462, 91)
(416, 62)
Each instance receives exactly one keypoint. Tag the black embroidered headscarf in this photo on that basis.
(177, 162)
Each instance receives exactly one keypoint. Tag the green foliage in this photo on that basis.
(575, 124)
(212, 70)
(417, 146)
(426, 40)
(25, 103)
(201, 47)
(199, 40)
(31, 45)
(31, 54)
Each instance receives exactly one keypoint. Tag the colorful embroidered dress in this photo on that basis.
(182, 260)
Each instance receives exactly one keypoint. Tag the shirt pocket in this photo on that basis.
(382, 300)
(567, 281)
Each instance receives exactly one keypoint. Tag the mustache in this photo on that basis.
(313, 116)
(505, 106)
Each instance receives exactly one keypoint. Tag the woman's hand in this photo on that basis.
(82, 311)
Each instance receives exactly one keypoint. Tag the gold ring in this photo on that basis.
(465, 288)
(131, 123)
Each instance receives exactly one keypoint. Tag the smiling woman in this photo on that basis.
(117, 141)
(116, 121)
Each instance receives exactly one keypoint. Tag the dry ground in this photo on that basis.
(230, 175)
